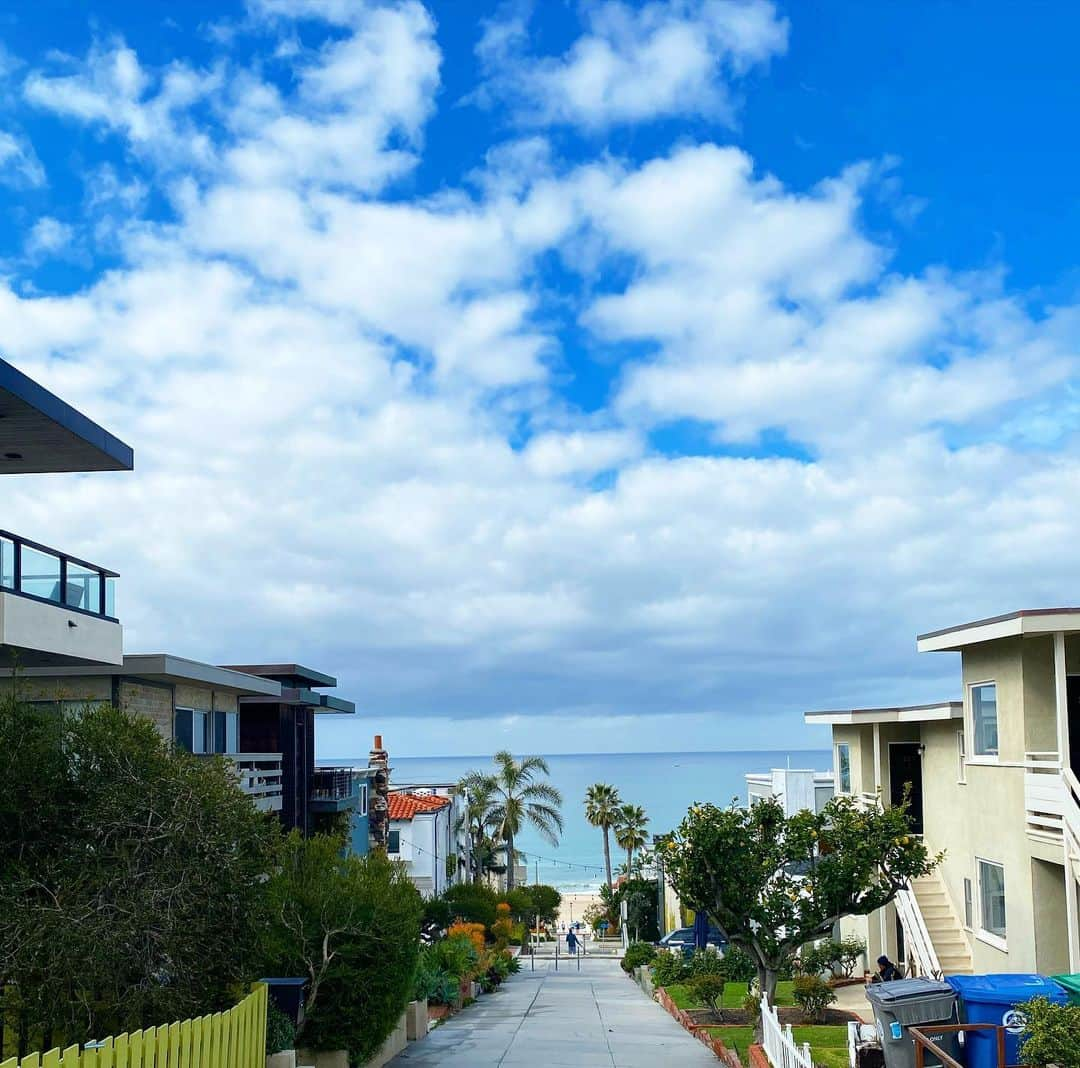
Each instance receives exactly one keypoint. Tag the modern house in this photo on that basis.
(992, 781)
(284, 722)
(195, 705)
(421, 835)
(795, 788)
(55, 608)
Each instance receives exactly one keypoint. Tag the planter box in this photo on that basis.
(438, 1012)
(285, 1059)
(416, 1020)
(333, 1058)
(394, 1044)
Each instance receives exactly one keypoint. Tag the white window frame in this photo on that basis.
(969, 904)
(961, 757)
(969, 722)
(839, 774)
(989, 937)
(362, 801)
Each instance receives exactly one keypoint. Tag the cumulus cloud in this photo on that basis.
(48, 236)
(359, 445)
(632, 62)
(19, 164)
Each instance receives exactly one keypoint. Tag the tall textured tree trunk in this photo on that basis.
(509, 863)
(629, 861)
(607, 857)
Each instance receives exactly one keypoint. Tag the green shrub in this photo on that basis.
(738, 966)
(433, 982)
(837, 957)
(637, 953)
(457, 955)
(1052, 1034)
(280, 1030)
(472, 903)
(367, 912)
(709, 989)
(813, 995)
(437, 913)
(705, 962)
(669, 968)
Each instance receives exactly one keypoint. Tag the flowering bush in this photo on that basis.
(474, 932)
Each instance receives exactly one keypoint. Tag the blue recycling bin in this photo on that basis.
(999, 1000)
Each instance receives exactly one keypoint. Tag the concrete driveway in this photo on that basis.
(595, 1018)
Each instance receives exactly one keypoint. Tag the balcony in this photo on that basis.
(334, 790)
(1044, 796)
(259, 777)
(56, 609)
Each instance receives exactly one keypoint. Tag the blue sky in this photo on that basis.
(568, 375)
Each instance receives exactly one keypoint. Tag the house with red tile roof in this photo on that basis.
(423, 838)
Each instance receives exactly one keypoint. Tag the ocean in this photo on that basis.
(665, 784)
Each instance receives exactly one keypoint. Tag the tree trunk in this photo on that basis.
(607, 858)
(629, 861)
(509, 863)
(767, 978)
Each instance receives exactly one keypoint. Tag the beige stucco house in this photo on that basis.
(993, 785)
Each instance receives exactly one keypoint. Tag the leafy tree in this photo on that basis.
(774, 883)
(351, 925)
(472, 903)
(131, 875)
(521, 797)
(537, 899)
(709, 988)
(642, 906)
(631, 831)
(475, 819)
(602, 810)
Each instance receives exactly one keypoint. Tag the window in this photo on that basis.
(961, 758)
(226, 731)
(984, 719)
(394, 845)
(969, 909)
(843, 767)
(190, 728)
(361, 804)
(992, 899)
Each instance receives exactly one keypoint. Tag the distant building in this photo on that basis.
(796, 789)
(421, 837)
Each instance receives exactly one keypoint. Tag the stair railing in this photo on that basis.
(917, 943)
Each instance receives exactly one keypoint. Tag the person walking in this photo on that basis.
(571, 942)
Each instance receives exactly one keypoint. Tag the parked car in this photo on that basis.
(682, 938)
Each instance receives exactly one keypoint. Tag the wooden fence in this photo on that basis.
(232, 1039)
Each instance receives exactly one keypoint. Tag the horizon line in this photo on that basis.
(636, 752)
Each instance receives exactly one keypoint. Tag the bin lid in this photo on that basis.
(907, 990)
(1006, 989)
(1070, 982)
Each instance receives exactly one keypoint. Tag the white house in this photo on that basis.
(422, 837)
(795, 788)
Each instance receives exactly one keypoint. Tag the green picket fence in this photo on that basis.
(232, 1039)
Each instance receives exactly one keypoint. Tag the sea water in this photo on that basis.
(664, 784)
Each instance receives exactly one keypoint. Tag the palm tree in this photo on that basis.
(521, 796)
(475, 820)
(631, 831)
(602, 810)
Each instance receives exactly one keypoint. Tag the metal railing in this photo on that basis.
(259, 777)
(332, 784)
(33, 570)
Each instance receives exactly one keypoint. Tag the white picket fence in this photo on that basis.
(779, 1042)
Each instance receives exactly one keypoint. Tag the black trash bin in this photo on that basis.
(920, 1003)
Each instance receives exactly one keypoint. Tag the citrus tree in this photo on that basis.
(774, 883)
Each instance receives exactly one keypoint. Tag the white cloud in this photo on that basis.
(19, 164)
(48, 236)
(633, 63)
(355, 445)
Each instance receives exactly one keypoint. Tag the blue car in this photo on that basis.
(683, 939)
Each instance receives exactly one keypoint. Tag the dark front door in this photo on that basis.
(905, 766)
(1073, 702)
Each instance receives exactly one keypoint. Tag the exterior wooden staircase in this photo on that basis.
(943, 925)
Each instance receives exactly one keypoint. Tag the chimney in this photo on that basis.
(379, 802)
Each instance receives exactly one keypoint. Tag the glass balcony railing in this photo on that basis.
(33, 570)
(332, 784)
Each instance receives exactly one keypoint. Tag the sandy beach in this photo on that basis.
(574, 904)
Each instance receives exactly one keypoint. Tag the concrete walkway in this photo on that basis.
(595, 1018)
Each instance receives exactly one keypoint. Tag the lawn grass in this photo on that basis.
(737, 1039)
(681, 997)
(824, 1035)
(734, 996)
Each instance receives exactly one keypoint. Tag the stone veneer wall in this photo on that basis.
(153, 702)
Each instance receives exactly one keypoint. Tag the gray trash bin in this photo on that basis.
(920, 1003)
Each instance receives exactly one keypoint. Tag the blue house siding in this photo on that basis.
(358, 835)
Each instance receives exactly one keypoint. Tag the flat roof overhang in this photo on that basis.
(1028, 622)
(319, 703)
(39, 432)
(287, 674)
(944, 710)
(163, 667)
